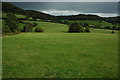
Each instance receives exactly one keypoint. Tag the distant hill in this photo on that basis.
(10, 8)
(80, 17)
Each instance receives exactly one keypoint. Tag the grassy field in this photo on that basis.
(56, 54)
(51, 27)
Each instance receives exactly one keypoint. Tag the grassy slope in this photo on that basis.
(58, 54)
(51, 27)
(94, 22)
(18, 15)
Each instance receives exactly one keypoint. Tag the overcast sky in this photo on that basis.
(60, 0)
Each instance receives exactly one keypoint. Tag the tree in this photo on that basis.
(26, 28)
(75, 27)
(39, 29)
(114, 27)
(12, 22)
(87, 29)
(6, 29)
(86, 24)
(27, 17)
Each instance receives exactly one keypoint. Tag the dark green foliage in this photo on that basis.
(86, 24)
(82, 29)
(82, 24)
(79, 17)
(112, 20)
(12, 22)
(107, 27)
(118, 28)
(113, 32)
(28, 27)
(6, 29)
(98, 26)
(87, 29)
(100, 20)
(114, 27)
(74, 27)
(27, 17)
(39, 29)
(8, 7)
(34, 24)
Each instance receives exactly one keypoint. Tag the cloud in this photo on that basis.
(70, 12)
(60, 0)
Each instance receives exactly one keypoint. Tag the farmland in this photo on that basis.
(57, 54)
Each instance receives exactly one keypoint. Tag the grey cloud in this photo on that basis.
(60, 0)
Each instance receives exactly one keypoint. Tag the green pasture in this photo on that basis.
(57, 54)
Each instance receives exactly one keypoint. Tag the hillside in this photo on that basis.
(8, 7)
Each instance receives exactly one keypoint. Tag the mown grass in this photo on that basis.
(51, 27)
(56, 54)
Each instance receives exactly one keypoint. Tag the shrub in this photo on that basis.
(86, 24)
(29, 27)
(114, 27)
(107, 27)
(34, 24)
(87, 29)
(39, 29)
(26, 28)
(113, 32)
(74, 27)
(82, 29)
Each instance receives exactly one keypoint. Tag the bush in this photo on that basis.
(82, 29)
(74, 27)
(114, 27)
(39, 29)
(27, 28)
(86, 24)
(87, 29)
(34, 24)
(113, 32)
(107, 27)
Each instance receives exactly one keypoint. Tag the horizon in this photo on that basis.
(108, 9)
